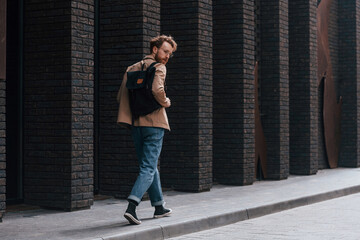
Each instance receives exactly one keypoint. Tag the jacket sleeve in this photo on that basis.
(158, 86)
(122, 88)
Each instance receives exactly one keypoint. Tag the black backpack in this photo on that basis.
(139, 84)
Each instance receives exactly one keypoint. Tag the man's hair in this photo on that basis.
(159, 40)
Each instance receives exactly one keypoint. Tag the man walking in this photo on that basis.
(148, 131)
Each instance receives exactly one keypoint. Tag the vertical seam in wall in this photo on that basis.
(143, 25)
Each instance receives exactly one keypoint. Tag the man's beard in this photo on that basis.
(160, 60)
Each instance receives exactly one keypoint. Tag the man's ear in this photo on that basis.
(155, 49)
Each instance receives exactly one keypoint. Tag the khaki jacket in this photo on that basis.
(158, 118)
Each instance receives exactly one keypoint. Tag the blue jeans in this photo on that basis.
(148, 143)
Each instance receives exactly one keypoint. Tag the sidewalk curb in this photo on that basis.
(207, 222)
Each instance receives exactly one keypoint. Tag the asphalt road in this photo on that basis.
(333, 219)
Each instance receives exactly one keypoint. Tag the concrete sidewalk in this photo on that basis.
(191, 211)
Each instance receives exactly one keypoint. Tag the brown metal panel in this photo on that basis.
(260, 143)
(331, 107)
(2, 39)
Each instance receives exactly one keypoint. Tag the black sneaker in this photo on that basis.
(160, 212)
(131, 217)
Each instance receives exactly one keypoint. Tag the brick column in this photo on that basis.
(121, 45)
(58, 103)
(2, 148)
(187, 156)
(303, 87)
(234, 119)
(2, 107)
(349, 65)
(82, 103)
(274, 83)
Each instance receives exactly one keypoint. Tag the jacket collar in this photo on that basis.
(149, 57)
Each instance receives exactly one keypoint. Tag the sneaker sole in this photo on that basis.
(163, 215)
(131, 219)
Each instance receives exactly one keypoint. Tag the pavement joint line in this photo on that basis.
(162, 231)
(167, 231)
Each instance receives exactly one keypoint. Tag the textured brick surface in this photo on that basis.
(125, 30)
(2, 110)
(3, 12)
(58, 103)
(2, 148)
(187, 156)
(274, 82)
(82, 103)
(349, 82)
(233, 90)
(303, 87)
(212, 112)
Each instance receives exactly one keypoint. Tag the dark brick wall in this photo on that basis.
(3, 13)
(125, 30)
(349, 60)
(187, 155)
(47, 96)
(274, 82)
(303, 87)
(2, 148)
(2, 110)
(82, 104)
(13, 128)
(233, 90)
(205, 94)
(211, 97)
(58, 103)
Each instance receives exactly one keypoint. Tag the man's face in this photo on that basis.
(163, 53)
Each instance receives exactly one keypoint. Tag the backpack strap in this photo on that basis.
(151, 65)
(150, 71)
(142, 65)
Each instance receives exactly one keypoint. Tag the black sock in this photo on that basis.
(133, 202)
(159, 207)
(132, 206)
